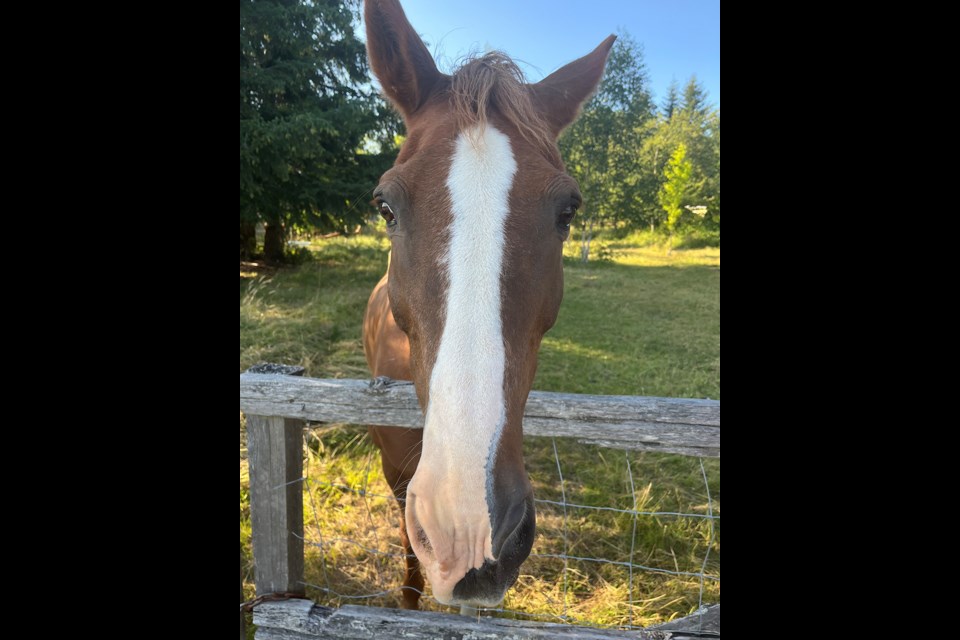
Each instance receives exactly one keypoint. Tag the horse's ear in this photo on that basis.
(398, 56)
(560, 95)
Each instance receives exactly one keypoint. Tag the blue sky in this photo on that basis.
(680, 37)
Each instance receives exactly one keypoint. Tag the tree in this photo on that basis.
(714, 184)
(600, 148)
(695, 104)
(701, 125)
(306, 113)
(694, 124)
(674, 194)
(671, 102)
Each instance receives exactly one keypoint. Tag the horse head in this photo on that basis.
(477, 206)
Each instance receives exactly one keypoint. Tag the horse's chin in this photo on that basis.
(486, 600)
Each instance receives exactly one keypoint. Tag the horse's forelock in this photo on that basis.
(494, 81)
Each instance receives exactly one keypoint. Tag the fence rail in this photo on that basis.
(301, 619)
(276, 407)
(669, 425)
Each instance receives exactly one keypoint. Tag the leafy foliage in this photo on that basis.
(674, 193)
(308, 118)
(671, 102)
(600, 148)
(620, 148)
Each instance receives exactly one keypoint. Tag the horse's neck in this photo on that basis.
(386, 346)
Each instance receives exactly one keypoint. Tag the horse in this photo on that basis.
(477, 207)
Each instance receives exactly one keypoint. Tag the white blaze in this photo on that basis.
(466, 410)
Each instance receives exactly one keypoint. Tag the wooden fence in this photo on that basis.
(277, 402)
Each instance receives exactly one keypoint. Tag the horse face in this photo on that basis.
(478, 205)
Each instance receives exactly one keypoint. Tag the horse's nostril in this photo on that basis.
(515, 529)
(422, 538)
(419, 534)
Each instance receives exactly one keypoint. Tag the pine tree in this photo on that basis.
(695, 105)
(671, 101)
(305, 112)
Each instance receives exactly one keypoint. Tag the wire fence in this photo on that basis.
(595, 562)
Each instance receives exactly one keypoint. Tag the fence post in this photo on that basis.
(274, 452)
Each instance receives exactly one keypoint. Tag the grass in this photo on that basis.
(645, 323)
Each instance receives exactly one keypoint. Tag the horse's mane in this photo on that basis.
(494, 81)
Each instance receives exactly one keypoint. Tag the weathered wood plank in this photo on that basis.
(706, 622)
(277, 369)
(676, 425)
(662, 447)
(275, 449)
(299, 620)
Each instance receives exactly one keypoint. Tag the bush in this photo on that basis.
(297, 255)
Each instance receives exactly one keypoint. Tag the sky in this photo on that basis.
(680, 37)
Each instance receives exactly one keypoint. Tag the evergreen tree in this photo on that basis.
(695, 104)
(306, 112)
(671, 101)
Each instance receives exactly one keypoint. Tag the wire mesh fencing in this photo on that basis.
(624, 539)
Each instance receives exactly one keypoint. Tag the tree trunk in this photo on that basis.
(248, 239)
(585, 237)
(273, 242)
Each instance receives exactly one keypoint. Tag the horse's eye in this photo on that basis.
(387, 214)
(565, 217)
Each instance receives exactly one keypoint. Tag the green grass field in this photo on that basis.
(645, 323)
